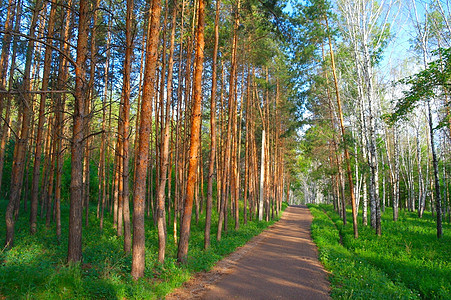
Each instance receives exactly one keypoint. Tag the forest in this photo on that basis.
(143, 141)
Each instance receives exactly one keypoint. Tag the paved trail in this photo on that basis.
(281, 263)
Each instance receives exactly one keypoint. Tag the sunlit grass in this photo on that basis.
(406, 262)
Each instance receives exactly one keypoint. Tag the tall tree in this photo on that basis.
(40, 129)
(126, 124)
(141, 161)
(165, 147)
(211, 165)
(347, 156)
(78, 139)
(21, 145)
(195, 135)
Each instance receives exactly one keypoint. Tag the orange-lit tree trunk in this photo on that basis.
(77, 147)
(126, 125)
(161, 220)
(139, 189)
(188, 108)
(211, 166)
(228, 145)
(195, 136)
(347, 156)
(247, 161)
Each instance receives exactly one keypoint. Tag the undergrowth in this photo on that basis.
(406, 262)
(36, 268)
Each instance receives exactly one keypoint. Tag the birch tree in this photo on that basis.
(366, 25)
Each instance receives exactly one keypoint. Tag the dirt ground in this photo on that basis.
(280, 263)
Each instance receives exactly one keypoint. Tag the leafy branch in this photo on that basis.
(425, 85)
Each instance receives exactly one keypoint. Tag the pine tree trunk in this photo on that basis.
(62, 77)
(161, 221)
(5, 100)
(347, 157)
(227, 151)
(247, 175)
(139, 190)
(126, 125)
(76, 186)
(262, 178)
(40, 129)
(195, 136)
(20, 148)
(211, 166)
(52, 160)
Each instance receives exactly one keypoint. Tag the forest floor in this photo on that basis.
(36, 268)
(280, 263)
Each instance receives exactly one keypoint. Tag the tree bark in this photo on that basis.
(40, 129)
(227, 154)
(347, 157)
(76, 185)
(165, 149)
(62, 77)
(195, 136)
(20, 148)
(396, 175)
(126, 125)
(438, 200)
(6, 99)
(139, 190)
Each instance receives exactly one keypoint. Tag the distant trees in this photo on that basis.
(396, 160)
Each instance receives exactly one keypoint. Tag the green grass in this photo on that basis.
(406, 262)
(35, 268)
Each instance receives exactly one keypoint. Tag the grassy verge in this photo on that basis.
(406, 262)
(35, 267)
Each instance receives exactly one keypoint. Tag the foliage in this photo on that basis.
(406, 262)
(36, 268)
(425, 85)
